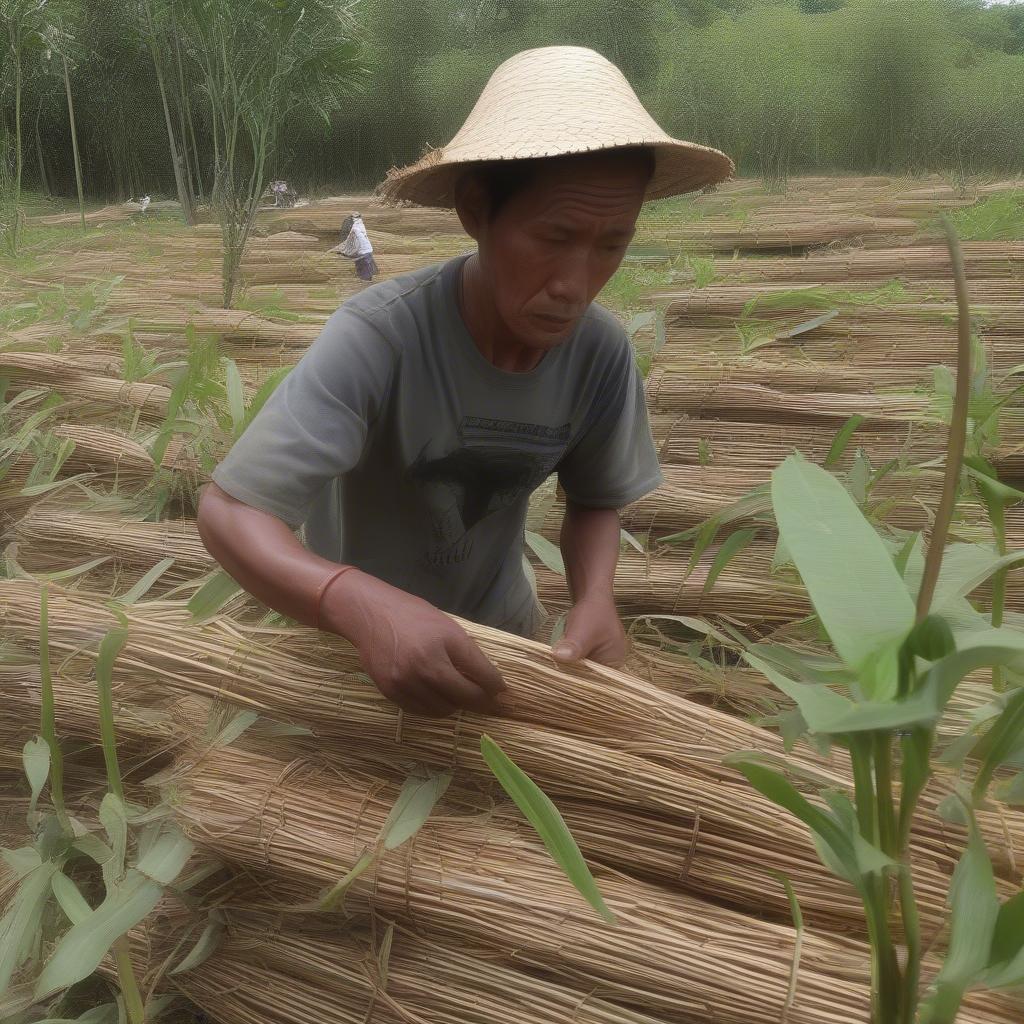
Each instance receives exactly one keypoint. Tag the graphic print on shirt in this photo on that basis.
(495, 464)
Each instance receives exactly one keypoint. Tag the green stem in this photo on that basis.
(110, 647)
(883, 784)
(912, 936)
(134, 1007)
(913, 784)
(998, 516)
(864, 788)
(957, 429)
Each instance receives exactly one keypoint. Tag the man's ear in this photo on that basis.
(472, 204)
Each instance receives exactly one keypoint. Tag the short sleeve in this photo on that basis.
(314, 426)
(614, 461)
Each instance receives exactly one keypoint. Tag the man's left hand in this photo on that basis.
(593, 630)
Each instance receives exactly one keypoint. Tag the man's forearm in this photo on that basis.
(262, 554)
(590, 550)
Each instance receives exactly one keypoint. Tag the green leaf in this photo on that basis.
(164, 860)
(206, 945)
(1012, 790)
(547, 552)
(263, 392)
(35, 757)
(705, 538)
(999, 743)
(627, 538)
(145, 584)
(110, 648)
(238, 725)
(114, 820)
(22, 922)
(82, 948)
(236, 396)
(780, 556)
(547, 821)
(732, 546)
(416, 801)
(71, 901)
(817, 703)
(859, 477)
(218, 589)
(777, 788)
(856, 590)
(841, 440)
(974, 907)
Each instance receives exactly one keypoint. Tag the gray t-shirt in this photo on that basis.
(405, 452)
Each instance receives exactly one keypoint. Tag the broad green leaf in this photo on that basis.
(164, 860)
(698, 626)
(35, 490)
(146, 582)
(965, 567)
(212, 596)
(869, 858)
(777, 788)
(547, 821)
(206, 945)
(547, 552)
(999, 743)
(21, 861)
(732, 546)
(35, 757)
(859, 477)
(94, 848)
(850, 577)
(77, 570)
(23, 920)
(974, 910)
(780, 556)
(841, 440)
(1012, 790)
(817, 703)
(416, 801)
(81, 949)
(71, 901)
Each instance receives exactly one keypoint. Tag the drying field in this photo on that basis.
(814, 320)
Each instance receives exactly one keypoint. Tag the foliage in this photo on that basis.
(783, 86)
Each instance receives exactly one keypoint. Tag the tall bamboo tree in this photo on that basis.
(22, 22)
(259, 63)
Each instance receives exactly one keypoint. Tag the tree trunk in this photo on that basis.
(187, 114)
(183, 196)
(74, 144)
(43, 180)
(16, 196)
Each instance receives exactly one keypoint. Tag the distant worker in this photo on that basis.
(357, 246)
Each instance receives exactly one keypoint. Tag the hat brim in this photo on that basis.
(680, 167)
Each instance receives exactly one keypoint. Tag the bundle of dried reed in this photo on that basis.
(69, 378)
(268, 972)
(674, 956)
(928, 262)
(686, 440)
(680, 958)
(646, 750)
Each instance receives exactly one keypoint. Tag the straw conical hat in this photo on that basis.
(549, 102)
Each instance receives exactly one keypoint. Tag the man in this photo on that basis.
(410, 436)
(356, 245)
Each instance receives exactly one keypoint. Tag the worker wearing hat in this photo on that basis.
(408, 439)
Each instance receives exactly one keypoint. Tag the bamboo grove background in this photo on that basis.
(783, 86)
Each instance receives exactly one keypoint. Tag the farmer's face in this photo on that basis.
(553, 246)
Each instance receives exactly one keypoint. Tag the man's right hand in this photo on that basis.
(416, 655)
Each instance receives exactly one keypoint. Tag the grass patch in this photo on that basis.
(1000, 218)
(629, 287)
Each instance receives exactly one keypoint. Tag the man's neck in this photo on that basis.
(485, 326)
